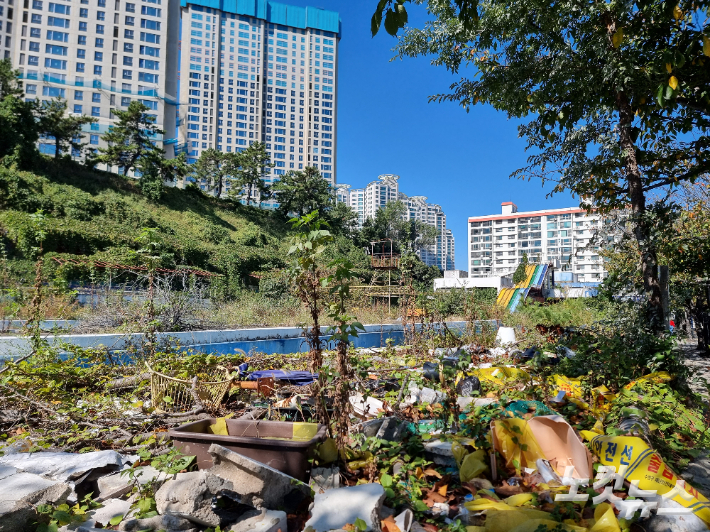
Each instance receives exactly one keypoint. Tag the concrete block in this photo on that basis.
(63, 466)
(336, 508)
(256, 483)
(190, 495)
(117, 485)
(109, 509)
(263, 521)
(324, 479)
(20, 492)
(671, 523)
(440, 452)
(392, 429)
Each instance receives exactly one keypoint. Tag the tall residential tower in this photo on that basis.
(255, 70)
(99, 55)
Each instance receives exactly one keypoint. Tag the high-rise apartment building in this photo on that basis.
(497, 242)
(99, 55)
(255, 70)
(7, 17)
(377, 194)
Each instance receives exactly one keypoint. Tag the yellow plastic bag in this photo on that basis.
(328, 451)
(510, 437)
(656, 378)
(519, 499)
(504, 521)
(478, 505)
(501, 376)
(646, 466)
(533, 524)
(605, 519)
(473, 465)
(572, 386)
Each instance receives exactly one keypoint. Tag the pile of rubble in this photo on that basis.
(465, 439)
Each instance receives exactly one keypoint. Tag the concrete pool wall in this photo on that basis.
(267, 340)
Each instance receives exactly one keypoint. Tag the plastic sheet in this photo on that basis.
(510, 437)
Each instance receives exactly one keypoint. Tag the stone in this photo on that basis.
(481, 483)
(119, 484)
(441, 452)
(336, 508)
(264, 521)
(168, 523)
(698, 474)
(258, 484)
(392, 429)
(463, 402)
(324, 479)
(109, 509)
(404, 520)
(671, 523)
(431, 396)
(371, 427)
(20, 492)
(189, 495)
(63, 466)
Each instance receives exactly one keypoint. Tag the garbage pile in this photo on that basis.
(470, 437)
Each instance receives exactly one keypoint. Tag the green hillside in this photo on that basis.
(97, 215)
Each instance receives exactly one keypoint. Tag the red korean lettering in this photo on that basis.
(667, 473)
(654, 464)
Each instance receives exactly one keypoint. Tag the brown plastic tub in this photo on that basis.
(253, 440)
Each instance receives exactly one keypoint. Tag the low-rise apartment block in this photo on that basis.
(497, 242)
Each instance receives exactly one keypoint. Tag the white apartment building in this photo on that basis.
(560, 236)
(99, 55)
(7, 17)
(367, 201)
(254, 71)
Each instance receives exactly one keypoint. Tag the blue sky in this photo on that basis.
(386, 126)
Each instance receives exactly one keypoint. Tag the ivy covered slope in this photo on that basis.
(97, 215)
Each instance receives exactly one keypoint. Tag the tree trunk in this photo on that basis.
(649, 255)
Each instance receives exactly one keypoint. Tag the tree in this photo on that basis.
(301, 192)
(212, 169)
(612, 91)
(156, 170)
(342, 220)
(248, 172)
(9, 84)
(130, 138)
(392, 221)
(65, 130)
(18, 120)
(521, 274)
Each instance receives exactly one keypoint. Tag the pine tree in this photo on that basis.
(520, 274)
(65, 130)
(130, 138)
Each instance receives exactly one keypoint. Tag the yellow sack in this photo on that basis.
(646, 466)
(519, 499)
(509, 435)
(328, 451)
(533, 524)
(501, 375)
(503, 521)
(473, 465)
(572, 386)
(602, 398)
(656, 378)
(478, 505)
(605, 519)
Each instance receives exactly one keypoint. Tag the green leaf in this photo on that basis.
(115, 520)
(386, 481)
(389, 493)
(62, 517)
(360, 524)
(391, 23)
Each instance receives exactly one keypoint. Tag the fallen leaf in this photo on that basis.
(443, 489)
(349, 528)
(431, 472)
(432, 498)
(429, 527)
(389, 525)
